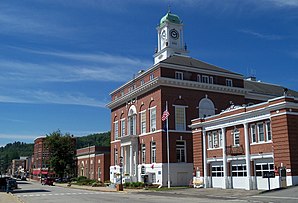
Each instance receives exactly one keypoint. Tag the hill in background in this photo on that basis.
(20, 149)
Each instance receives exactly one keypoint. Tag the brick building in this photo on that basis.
(93, 162)
(40, 165)
(40, 159)
(192, 89)
(235, 148)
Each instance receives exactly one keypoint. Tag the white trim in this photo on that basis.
(142, 111)
(150, 133)
(258, 143)
(86, 156)
(115, 141)
(151, 107)
(285, 113)
(181, 131)
(237, 122)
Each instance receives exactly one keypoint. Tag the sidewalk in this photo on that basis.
(8, 198)
(102, 189)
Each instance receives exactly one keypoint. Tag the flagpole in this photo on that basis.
(168, 147)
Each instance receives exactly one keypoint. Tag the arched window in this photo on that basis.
(132, 118)
(206, 108)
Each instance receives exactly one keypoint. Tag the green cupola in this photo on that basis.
(169, 17)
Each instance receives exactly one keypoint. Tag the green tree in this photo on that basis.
(62, 153)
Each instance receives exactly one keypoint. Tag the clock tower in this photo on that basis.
(170, 38)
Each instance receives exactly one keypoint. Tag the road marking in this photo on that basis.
(58, 194)
(274, 197)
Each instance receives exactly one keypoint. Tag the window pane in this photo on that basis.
(180, 118)
(152, 119)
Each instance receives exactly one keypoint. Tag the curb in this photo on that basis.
(16, 197)
(86, 188)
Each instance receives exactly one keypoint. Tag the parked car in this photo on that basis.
(48, 181)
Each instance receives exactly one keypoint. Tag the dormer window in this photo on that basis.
(229, 82)
(198, 78)
(211, 80)
(205, 79)
(151, 76)
(179, 75)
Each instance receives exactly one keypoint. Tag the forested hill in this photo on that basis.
(14, 151)
(99, 139)
(20, 149)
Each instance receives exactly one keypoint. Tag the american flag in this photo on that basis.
(165, 115)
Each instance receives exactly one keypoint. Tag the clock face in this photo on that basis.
(163, 34)
(174, 34)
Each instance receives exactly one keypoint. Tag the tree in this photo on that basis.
(62, 153)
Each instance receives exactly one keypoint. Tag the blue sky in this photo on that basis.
(60, 59)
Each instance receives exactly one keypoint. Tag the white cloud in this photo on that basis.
(80, 67)
(284, 3)
(17, 137)
(21, 21)
(46, 97)
(262, 36)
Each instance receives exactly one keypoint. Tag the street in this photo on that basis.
(34, 192)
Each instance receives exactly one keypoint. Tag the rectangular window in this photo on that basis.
(123, 127)
(210, 142)
(220, 138)
(116, 157)
(151, 76)
(211, 80)
(268, 131)
(180, 151)
(217, 171)
(152, 119)
(143, 158)
(236, 135)
(180, 122)
(153, 152)
(253, 133)
(263, 167)
(122, 93)
(239, 170)
(116, 130)
(179, 75)
(143, 122)
(205, 79)
(198, 78)
(229, 82)
(215, 140)
(261, 137)
(142, 82)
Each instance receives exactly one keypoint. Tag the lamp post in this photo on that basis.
(120, 164)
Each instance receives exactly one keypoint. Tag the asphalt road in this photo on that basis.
(33, 192)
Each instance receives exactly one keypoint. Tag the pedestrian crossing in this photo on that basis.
(57, 194)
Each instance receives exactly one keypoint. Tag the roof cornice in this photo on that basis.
(162, 81)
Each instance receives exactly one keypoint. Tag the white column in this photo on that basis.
(247, 156)
(224, 158)
(130, 160)
(205, 159)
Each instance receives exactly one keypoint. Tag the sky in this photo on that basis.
(60, 59)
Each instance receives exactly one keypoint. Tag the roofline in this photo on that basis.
(231, 74)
